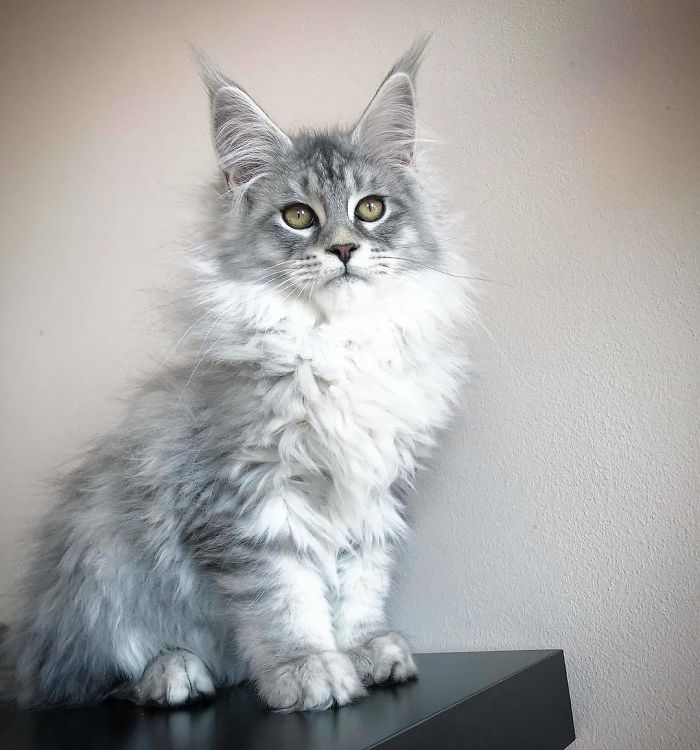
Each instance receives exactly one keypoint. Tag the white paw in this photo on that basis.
(385, 658)
(312, 683)
(173, 678)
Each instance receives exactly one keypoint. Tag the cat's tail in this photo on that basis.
(8, 696)
(34, 676)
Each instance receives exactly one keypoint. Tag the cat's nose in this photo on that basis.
(342, 251)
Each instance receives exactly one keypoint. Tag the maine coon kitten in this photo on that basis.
(239, 524)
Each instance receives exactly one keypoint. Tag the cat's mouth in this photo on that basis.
(348, 276)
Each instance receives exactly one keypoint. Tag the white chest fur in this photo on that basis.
(346, 403)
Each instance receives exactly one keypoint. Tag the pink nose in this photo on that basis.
(342, 251)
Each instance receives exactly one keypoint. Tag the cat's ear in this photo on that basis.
(245, 138)
(388, 125)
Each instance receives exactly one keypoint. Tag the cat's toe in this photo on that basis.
(385, 658)
(173, 678)
(312, 683)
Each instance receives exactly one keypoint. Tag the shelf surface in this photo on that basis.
(498, 699)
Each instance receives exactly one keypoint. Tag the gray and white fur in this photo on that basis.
(239, 523)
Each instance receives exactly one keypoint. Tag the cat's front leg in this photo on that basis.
(378, 654)
(284, 630)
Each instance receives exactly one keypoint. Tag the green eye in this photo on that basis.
(370, 208)
(298, 216)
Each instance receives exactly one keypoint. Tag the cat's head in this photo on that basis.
(319, 216)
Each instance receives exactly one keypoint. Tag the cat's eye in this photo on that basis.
(370, 208)
(298, 216)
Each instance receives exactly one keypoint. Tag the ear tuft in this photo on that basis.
(212, 78)
(410, 62)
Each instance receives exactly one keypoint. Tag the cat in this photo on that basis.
(240, 523)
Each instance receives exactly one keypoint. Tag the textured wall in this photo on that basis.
(562, 510)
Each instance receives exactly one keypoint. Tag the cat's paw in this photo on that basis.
(385, 658)
(173, 678)
(312, 683)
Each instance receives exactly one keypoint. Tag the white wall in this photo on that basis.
(562, 510)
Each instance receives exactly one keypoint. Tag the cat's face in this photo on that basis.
(318, 215)
(329, 217)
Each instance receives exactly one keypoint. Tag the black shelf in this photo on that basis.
(500, 700)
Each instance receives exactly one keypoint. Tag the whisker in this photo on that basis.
(296, 267)
(438, 270)
(269, 273)
(292, 291)
(284, 285)
(477, 319)
(216, 320)
(181, 339)
(202, 358)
